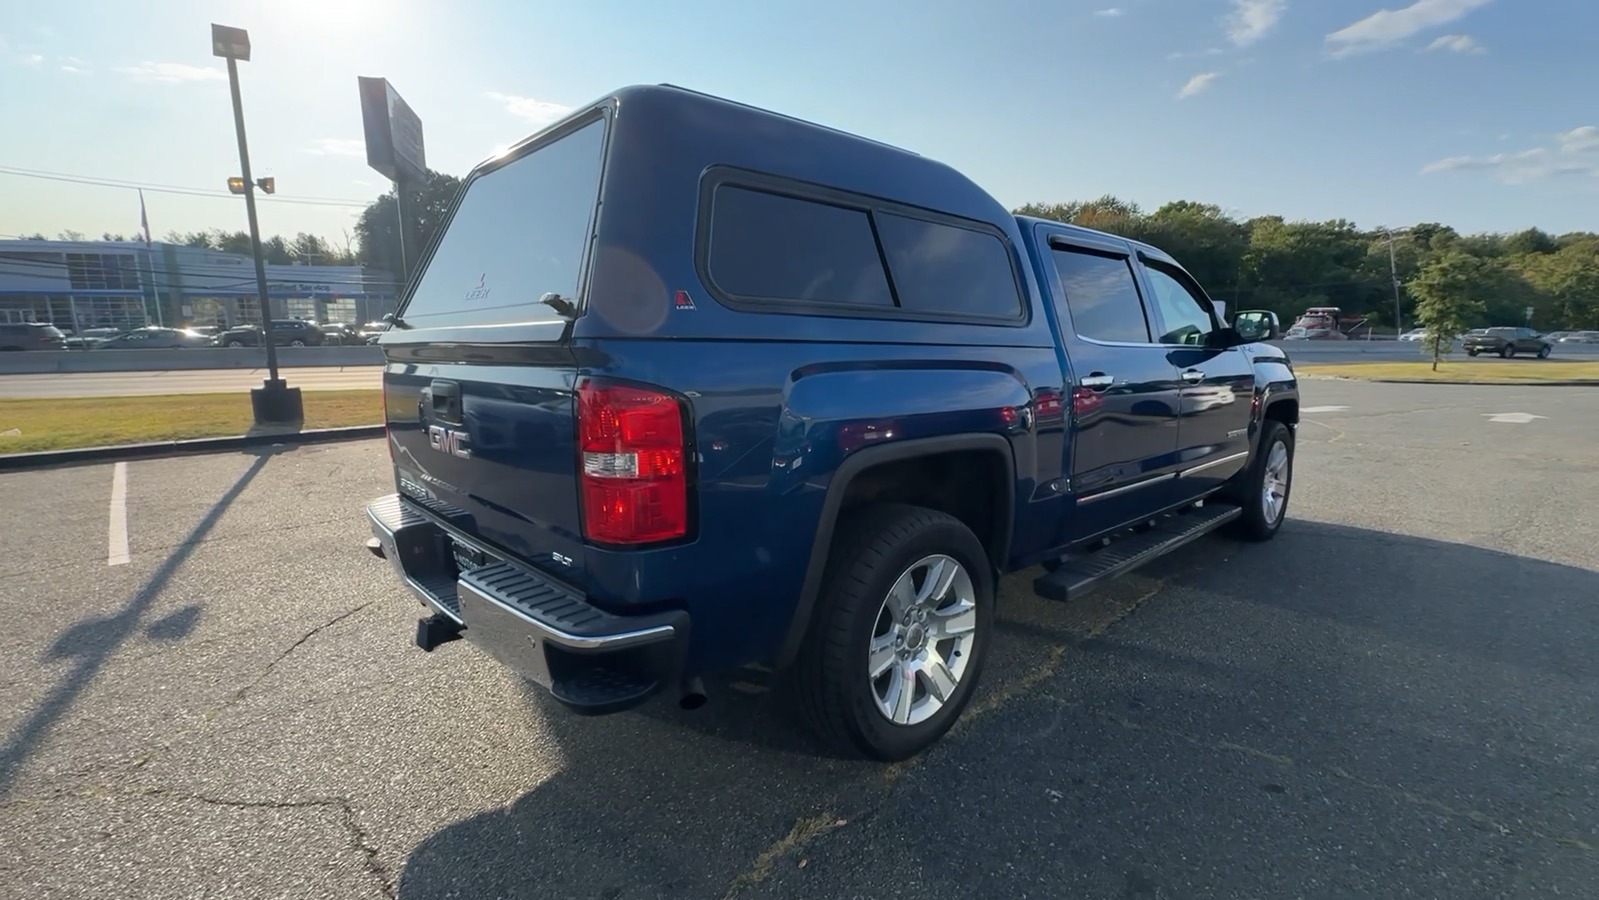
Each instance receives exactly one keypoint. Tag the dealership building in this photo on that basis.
(78, 285)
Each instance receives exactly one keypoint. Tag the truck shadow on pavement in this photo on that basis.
(1265, 674)
(92, 642)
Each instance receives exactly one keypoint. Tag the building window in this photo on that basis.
(103, 271)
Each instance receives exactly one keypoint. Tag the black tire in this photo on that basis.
(872, 549)
(1507, 352)
(1471, 352)
(1544, 351)
(1254, 524)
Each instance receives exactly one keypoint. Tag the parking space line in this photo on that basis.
(117, 543)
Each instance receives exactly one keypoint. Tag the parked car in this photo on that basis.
(797, 398)
(341, 334)
(154, 338)
(285, 333)
(1581, 337)
(371, 331)
(1508, 342)
(31, 336)
(1414, 334)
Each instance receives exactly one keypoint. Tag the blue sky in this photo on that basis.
(1475, 113)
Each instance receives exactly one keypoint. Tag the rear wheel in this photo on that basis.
(1263, 492)
(899, 634)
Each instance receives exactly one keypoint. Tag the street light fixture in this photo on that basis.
(274, 402)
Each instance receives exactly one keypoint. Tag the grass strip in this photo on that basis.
(70, 424)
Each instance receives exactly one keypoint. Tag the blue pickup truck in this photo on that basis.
(684, 385)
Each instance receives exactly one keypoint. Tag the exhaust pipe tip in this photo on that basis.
(691, 695)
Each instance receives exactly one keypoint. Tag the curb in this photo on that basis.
(49, 459)
(1591, 382)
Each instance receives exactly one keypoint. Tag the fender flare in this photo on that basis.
(858, 462)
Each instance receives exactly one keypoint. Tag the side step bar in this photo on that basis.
(1079, 575)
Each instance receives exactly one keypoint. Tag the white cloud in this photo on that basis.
(1387, 27)
(1572, 153)
(1198, 84)
(355, 149)
(1109, 13)
(172, 73)
(1252, 20)
(75, 70)
(1579, 140)
(1456, 43)
(539, 112)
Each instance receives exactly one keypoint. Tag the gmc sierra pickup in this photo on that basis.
(685, 385)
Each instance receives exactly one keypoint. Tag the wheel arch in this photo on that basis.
(854, 467)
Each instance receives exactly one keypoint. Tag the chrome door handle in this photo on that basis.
(1097, 381)
(1193, 376)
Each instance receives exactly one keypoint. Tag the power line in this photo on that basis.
(171, 189)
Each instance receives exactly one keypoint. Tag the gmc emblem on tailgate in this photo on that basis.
(448, 440)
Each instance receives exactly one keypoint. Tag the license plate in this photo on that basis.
(468, 557)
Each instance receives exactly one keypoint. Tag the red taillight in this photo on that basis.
(635, 478)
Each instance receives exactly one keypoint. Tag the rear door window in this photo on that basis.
(1101, 296)
(948, 269)
(519, 233)
(767, 246)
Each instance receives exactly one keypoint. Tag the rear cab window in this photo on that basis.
(515, 245)
(796, 249)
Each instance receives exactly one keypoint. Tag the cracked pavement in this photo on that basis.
(1397, 697)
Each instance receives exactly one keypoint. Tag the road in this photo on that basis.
(1396, 697)
(331, 378)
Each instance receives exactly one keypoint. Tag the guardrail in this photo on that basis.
(50, 362)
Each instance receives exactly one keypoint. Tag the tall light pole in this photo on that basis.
(274, 401)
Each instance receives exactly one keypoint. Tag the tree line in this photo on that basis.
(1268, 262)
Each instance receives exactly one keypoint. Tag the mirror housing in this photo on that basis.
(1257, 325)
(387, 317)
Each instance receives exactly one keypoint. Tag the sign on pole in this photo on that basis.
(394, 148)
(393, 132)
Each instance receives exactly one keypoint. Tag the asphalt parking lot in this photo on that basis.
(1397, 697)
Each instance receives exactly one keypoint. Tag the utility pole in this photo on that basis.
(1393, 271)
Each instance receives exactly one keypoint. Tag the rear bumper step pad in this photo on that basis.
(591, 660)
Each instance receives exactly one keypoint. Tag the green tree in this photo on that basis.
(377, 234)
(1450, 291)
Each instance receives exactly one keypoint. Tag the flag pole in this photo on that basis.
(144, 228)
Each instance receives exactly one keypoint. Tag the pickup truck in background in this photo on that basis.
(685, 385)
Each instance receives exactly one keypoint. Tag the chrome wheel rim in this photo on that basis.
(1274, 486)
(922, 639)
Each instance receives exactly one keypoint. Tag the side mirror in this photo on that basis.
(1257, 325)
(388, 317)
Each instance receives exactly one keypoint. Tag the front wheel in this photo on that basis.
(1544, 351)
(1264, 491)
(899, 634)
(1507, 352)
(1471, 352)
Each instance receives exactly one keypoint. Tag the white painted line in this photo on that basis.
(117, 552)
(1317, 409)
(1513, 418)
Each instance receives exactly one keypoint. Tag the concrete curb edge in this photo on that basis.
(50, 459)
